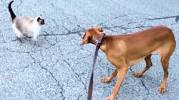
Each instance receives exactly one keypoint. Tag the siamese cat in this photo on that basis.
(26, 26)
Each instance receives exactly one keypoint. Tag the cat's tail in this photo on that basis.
(13, 16)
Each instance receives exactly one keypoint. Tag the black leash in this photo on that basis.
(90, 87)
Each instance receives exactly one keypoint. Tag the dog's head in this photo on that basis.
(40, 20)
(91, 35)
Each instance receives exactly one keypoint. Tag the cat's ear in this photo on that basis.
(38, 18)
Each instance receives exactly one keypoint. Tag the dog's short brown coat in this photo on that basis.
(125, 50)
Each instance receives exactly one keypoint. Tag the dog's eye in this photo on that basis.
(89, 38)
(84, 36)
(100, 29)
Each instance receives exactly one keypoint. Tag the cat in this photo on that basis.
(26, 26)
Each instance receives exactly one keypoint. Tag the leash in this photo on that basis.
(90, 87)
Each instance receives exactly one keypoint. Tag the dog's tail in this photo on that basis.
(13, 16)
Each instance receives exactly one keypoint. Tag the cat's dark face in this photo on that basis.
(40, 20)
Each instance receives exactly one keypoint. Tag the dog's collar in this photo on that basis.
(98, 42)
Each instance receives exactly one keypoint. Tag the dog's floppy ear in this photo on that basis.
(85, 39)
(98, 28)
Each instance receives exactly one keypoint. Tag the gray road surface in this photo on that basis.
(58, 68)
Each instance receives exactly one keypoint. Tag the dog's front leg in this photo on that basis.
(120, 77)
(109, 78)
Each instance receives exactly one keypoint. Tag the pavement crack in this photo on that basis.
(34, 60)
(79, 96)
(109, 28)
(54, 78)
(165, 17)
(143, 84)
(76, 74)
(65, 34)
(69, 32)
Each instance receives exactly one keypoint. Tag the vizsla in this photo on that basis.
(124, 51)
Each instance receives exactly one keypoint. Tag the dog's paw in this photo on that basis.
(162, 88)
(105, 80)
(110, 98)
(138, 75)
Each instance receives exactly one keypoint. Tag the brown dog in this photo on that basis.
(125, 50)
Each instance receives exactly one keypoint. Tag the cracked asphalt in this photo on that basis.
(58, 68)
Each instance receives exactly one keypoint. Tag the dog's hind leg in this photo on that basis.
(165, 63)
(165, 54)
(109, 78)
(148, 65)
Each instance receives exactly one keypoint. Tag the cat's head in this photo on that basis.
(39, 20)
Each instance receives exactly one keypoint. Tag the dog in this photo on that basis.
(124, 51)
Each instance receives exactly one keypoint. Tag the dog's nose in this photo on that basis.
(81, 42)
